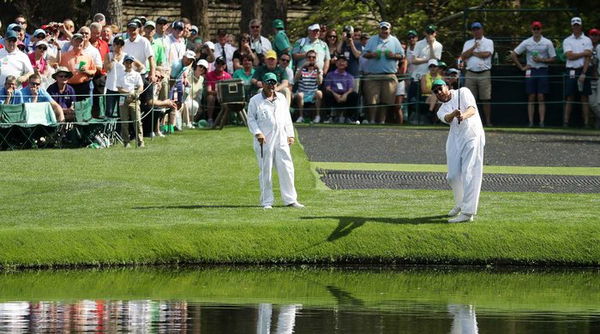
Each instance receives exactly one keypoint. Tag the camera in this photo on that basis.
(348, 30)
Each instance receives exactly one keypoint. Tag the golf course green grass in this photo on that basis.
(193, 198)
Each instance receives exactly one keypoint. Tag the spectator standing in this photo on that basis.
(140, 49)
(351, 48)
(425, 49)
(158, 48)
(9, 94)
(211, 86)
(33, 93)
(539, 52)
(309, 77)
(13, 61)
(426, 84)
(132, 85)
(82, 66)
(193, 97)
(258, 43)
(333, 44)
(464, 149)
(113, 64)
(243, 50)
(39, 63)
(225, 50)
(107, 35)
(271, 66)
(477, 54)
(281, 42)
(63, 93)
(383, 52)
(578, 51)
(285, 63)
(24, 37)
(340, 94)
(312, 42)
(246, 73)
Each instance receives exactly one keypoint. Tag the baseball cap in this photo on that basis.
(476, 25)
(162, 20)
(270, 54)
(118, 40)
(11, 34)
(220, 60)
(433, 62)
(430, 29)
(202, 62)
(194, 28)
(594, 31)
(14, 26)
(210, 45)
(315, 26)
(269, 76)
(190, 54)
(135, 23)
(453, 71)
(342, 56)
(150, 24)
(128, 58)
(178, 25)
(38, 43)
(278, 24)
(438, 82)
(38, 32)
(221, 32)
(77, 36)
(442, 64)
(536, 24)
(412, 33)
(384, 24)
(576, 20)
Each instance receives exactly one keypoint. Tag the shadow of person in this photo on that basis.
(348, 224)
(199, 206)
(344, 298)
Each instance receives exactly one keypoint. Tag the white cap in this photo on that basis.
(38, 43)
(385, 24)
(432, 62)
(576, 20)
(39, 31)
(210, 45)
(315, 26)
(202, 62)
(190, 54)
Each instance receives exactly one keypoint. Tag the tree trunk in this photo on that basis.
(197, 12)
(250, 10)
(273, 9)
(112, 9)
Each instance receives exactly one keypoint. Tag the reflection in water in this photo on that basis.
(465, 320)
(285, 320)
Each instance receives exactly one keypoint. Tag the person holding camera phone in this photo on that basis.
(309, 77)
(351, 48)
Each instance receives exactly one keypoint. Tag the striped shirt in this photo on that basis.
(308, 80)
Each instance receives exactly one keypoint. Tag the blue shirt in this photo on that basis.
(340, 83)
(16, 98)
(43, 95)
(382, 65)
(64, 99)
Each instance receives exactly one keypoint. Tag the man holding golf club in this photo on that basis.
(464, 148)
(270, 122)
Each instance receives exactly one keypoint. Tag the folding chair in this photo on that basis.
(40, 118)
(10, 116)
(231, 94)
(109, 123)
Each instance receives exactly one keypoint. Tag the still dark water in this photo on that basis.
(301, 300)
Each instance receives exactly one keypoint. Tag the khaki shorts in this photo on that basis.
(480, 84)
(379, 89)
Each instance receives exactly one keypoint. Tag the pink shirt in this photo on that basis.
(40, 64)
(212, 78)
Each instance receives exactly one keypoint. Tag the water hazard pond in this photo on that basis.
(301, 300)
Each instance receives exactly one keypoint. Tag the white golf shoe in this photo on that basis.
(454, 212)
(296, 205)
(461, 218)
(317, 119)
(267, 207)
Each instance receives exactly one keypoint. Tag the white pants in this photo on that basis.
(465, 172)
(280, 155)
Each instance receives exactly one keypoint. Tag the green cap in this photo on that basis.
(438, 82)
(442, 64)
(278, 24)
(412, 33)
(430, 29)
(269, 76)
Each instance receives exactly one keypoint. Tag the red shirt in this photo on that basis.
(213, 77)
(103, 48)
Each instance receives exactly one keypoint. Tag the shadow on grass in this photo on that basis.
(199, 206)
(348, 224)
(343, 297)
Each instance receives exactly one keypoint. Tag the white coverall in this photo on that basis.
(273, 120)
(464, 151)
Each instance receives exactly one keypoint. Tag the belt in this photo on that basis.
(575, 69)
(478, 71)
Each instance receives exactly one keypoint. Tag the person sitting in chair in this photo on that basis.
(9, 94)
(33, 93)
(211, 84)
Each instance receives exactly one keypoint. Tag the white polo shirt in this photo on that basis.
(229, 50)
(423, 50)
(543, 48)
(477, 64)
(576, 45)
(130, 81)
(140, 49)
(13, 63)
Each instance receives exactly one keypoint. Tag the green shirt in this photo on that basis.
(281, 42)
(159, 52)
(262, 70)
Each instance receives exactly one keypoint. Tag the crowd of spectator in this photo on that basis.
(329, 75)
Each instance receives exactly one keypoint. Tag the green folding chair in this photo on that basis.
(83, 111)
(42, 124)
(10, 134)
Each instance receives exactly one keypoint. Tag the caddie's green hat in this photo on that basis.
(438, 82)
(269, 76)
(278, 24)
(412, 33)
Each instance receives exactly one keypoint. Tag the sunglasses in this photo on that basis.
(332, 36)
(437, 90)
(41, 47)
(311, 57)
(34, 84)
(271, 82)
(62, 76)
(255, 27)
(84, 33)
(285, 60)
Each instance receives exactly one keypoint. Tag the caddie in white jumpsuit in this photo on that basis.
(270, 122)
(464, 148)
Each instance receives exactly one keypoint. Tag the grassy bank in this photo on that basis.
(193, 197)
